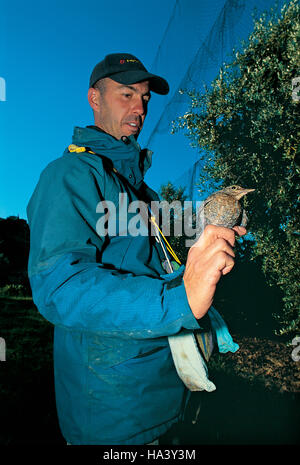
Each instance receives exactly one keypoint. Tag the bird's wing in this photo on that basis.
(205, 202)
(200, 216)
(244, 220)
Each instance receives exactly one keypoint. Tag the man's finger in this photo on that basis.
(227, 263)
(227, 269)
(220, 245)
(240, 230)
(212, 232)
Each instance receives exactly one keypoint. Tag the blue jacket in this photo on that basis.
(109, 298)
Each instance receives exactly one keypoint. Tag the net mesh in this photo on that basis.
(211, 31)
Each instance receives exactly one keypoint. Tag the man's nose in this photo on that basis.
(140, 106)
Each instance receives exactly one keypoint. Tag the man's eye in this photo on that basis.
(127, 95)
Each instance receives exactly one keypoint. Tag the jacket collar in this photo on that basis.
(126, 155)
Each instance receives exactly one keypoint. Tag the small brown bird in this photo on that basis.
(222, 208)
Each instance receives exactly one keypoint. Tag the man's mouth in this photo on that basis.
(134, 126)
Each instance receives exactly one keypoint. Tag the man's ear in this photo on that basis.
(93, 98)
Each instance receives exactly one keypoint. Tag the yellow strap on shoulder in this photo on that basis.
(76, 148)
(167, 243)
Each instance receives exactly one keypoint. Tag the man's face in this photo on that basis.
(122, 108)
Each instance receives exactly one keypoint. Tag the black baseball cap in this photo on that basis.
(127, 69)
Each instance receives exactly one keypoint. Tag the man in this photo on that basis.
(108, 296)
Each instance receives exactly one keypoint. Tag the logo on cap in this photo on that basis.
(127, 60)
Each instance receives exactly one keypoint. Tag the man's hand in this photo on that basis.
(209, 258)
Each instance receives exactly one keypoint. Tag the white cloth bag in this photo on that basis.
(189, 362)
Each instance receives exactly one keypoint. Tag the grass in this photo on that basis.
(256, 401)
(263, 361)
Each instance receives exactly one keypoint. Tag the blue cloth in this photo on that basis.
(112, 305)
(223, 337)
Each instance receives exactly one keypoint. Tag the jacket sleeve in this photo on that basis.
(71, 289)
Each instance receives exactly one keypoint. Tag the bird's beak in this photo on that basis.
(244, 192)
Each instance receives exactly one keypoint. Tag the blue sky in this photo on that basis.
(47, 52)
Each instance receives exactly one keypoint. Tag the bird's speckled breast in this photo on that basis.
(222, 210)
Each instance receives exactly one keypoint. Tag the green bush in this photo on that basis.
(13, 290)
(248, 126)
